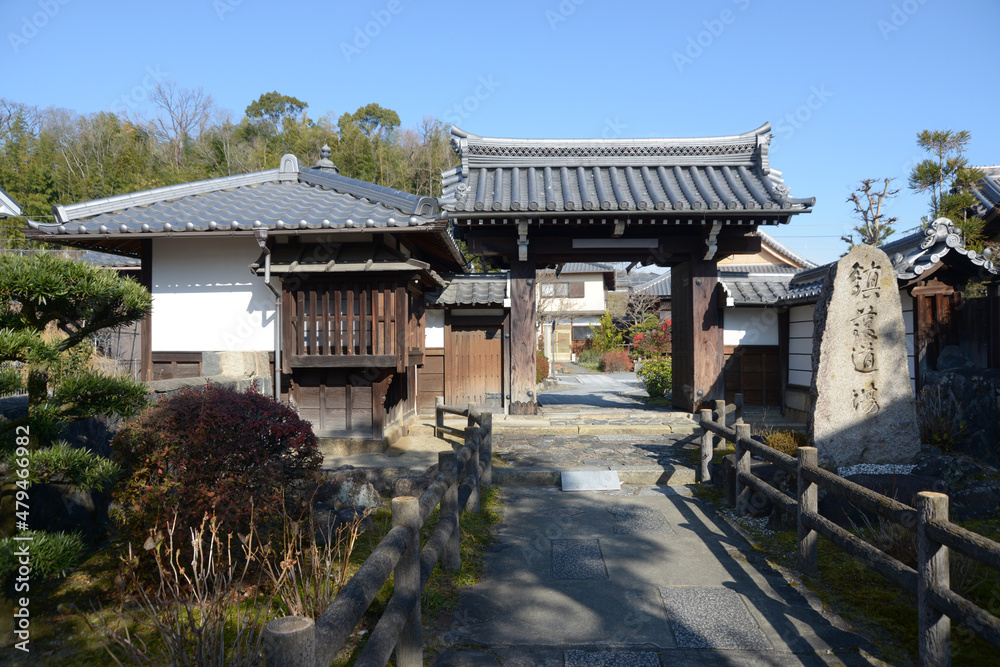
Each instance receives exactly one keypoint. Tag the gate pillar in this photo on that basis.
(696, 329)
(523, 337)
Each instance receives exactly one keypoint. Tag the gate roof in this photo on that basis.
(712, 174)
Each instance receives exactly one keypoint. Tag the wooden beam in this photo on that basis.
(522, 336)
(343, 361)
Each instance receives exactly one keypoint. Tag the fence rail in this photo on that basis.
(295, 642)
(937, 604)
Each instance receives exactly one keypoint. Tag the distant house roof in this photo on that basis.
(726, 173)
(285, 201)
(912, 256)
(753, 291)
(8, 207)
(473, 290)
(110, 261)
(782, 249)
(659, 286)
(586, 267)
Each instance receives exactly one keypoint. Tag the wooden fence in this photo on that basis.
(937, 604)
(298, 642)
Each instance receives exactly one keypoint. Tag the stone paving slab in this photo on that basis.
(711, 618)
(522, 614)
(576, 658)
(577, 559)
(638, 520)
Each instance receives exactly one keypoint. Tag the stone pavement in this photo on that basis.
(642, 576)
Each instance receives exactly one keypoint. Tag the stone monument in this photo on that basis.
(863, 409)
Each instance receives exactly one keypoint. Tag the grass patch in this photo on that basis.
(879, 610)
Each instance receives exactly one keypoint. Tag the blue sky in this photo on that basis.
(845, 85)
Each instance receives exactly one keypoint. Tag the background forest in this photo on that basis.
(57, 156)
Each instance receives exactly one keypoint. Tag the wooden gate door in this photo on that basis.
(336, 404)
(755, 372)
(474, 366)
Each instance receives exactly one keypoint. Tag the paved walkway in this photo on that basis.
(643, 576)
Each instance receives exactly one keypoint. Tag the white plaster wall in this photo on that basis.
(750, 326)
(205, 299)
(593, 294)
(434, 327)
(800, 341)
(906, 301)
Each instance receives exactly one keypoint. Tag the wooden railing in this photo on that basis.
(297, 642)
(937, 604)
(351, 323)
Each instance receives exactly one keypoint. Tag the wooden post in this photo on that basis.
(808, 497)
(738, 414)
(697, 334)
(438, 415)
(472, 437)
(486, 449)
(406, 578)
(704, 473)
(719, 406)
(290, 642)
(472, 420)
(742, 465)
(934, 638)
(522, 336)
(451, 558)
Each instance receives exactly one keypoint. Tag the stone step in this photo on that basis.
(674, 475)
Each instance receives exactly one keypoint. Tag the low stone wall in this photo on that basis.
(162, 388)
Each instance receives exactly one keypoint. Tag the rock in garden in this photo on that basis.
(863, 402)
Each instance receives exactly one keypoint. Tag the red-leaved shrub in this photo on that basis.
(541, 367)
(214, 450)
(616, 361)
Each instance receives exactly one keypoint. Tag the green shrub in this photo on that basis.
(51, 553)
(589, 355)
(211, 450)
(939, 418)
(63, 464)
(541, 367)
(615, 361)
(657, 377)
(786, 442)
(606, 336)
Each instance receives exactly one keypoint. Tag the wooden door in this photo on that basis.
(562, 348)
(475, 366)
(755, 372)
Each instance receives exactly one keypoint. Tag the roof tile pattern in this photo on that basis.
(286, 198)
(474, 291)
(987, 189)
(716, 173)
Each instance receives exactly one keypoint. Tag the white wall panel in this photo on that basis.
(750, 326)
(205, 299)
(434, 327)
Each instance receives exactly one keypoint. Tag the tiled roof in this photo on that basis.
(475, 290)
(112, 261)
(745, 291)
(556, 175)
(585, 267)
(759, 269)
(987, 189)
(911, 256)
(289, 197)
(659, 286)
(8, 207)
(782, 249)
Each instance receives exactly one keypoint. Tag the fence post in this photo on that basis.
(290, 642)
(472, 420)
(472, 439)
(742, 491)
(738, 415)
(406, 582)
(934, 637)
(720, 407)
(706, 447)
(808, 502)
(451, 558)
(438, 416)
(487, 449)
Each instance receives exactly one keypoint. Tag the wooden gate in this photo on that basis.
(474, 366)
(755, 372)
